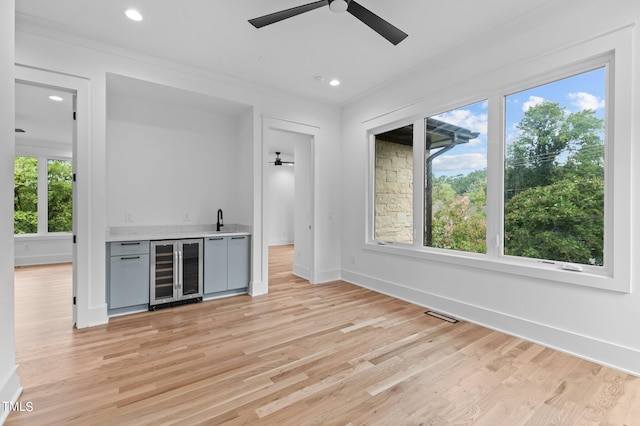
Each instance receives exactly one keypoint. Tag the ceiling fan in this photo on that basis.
(376, 23)
(279, 161)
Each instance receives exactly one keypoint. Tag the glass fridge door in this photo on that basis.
(191, 283)
(165, 263)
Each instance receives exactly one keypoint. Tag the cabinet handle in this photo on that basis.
(216, 239)
(176, 266)
(180, 272)
(130, 244)
(130, 258)
(237, 238)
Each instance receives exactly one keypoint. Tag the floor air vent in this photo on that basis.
(442, 317)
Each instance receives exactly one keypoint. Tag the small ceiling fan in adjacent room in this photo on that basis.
(279, 161)
(373, 21)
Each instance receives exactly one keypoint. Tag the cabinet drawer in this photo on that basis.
(121, 248)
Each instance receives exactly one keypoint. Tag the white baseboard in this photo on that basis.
(10, 391)
(301, 271)
(585, 347)
(44, 259)
(93, 317)
(284, 242)
(257, 288)
(323, 277)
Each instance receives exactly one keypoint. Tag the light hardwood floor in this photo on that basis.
(302, 355)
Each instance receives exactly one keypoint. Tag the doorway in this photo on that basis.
(289, 199)
(47, 135)
(289, 193)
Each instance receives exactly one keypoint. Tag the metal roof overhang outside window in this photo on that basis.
(440, 137)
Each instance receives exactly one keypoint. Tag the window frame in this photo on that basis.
(43, 194)
(612, 51)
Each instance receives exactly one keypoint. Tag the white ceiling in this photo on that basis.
(215, 36)
(44, 121)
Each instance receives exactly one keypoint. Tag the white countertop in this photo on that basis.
(173, 232)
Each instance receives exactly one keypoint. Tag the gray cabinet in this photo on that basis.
(127, 276)
(238, 262)
(215, 265)
(226, 264)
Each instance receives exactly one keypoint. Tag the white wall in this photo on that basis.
(594, 324)
(9, 380)
(303, 212)
(38, 250)
(46, 49)
(280, 204)
(165, 162)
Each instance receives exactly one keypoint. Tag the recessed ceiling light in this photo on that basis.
(334, 82)
(56, 98)
(133, 14)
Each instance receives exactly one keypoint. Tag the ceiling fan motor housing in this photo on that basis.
(339, 6)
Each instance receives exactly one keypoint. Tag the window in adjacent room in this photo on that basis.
(42, 195)
(59, 195)
(25, 195)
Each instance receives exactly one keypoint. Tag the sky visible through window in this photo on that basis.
(574, 94)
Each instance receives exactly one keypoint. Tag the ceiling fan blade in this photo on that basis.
(285, 14)
(376, 23)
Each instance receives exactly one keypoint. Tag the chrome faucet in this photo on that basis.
(219, 223)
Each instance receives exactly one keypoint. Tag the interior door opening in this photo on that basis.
(44, 191)
(289, 208)
(289, 195)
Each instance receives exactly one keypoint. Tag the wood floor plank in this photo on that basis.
(301, 355)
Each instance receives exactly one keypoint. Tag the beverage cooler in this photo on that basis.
(175, 272)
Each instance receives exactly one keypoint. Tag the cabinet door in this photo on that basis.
(190, 258)
(128, 280)
(164, 272)
(238, 262)
(215, 264)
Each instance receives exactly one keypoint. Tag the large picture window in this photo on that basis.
(521, 182)
(554, 176)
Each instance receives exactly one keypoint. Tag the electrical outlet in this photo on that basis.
(353, 259)
(128, 217)
(186, 217)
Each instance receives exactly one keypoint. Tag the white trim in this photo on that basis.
(93, 316)
(10, 391)
(43, 259)
(257, 288)
(595, 350)
(301, 271)
(323, 277)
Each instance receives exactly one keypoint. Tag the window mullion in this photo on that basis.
(495, 181)
(418, 182)
(43, 202)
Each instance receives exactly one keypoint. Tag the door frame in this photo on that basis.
(79, 87)
(274, 123)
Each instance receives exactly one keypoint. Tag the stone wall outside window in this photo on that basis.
(394, 192)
